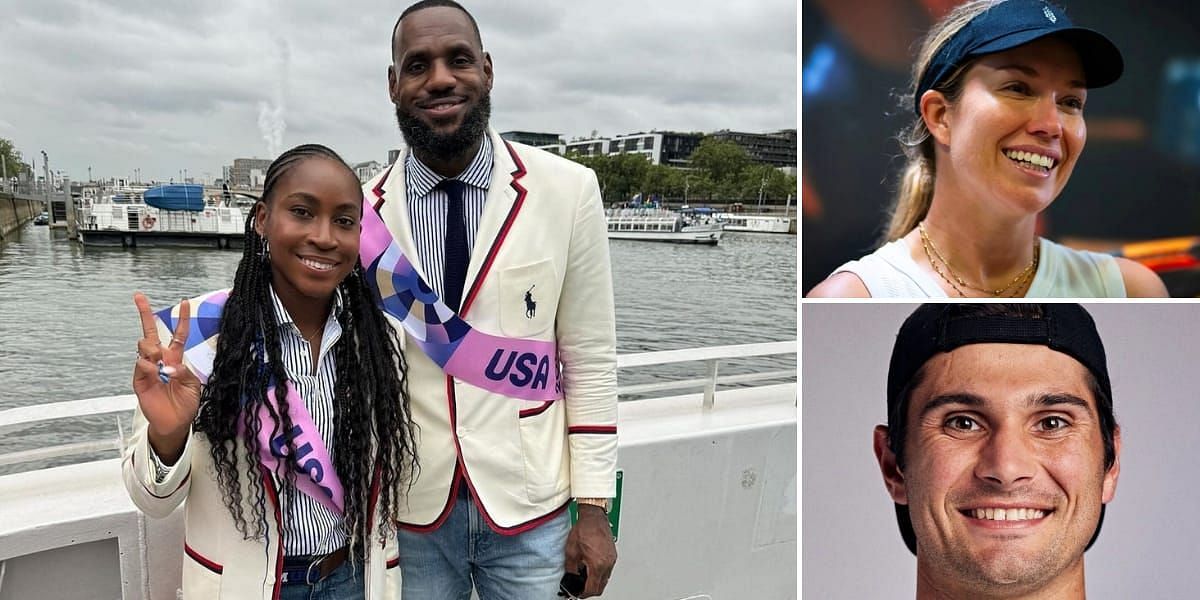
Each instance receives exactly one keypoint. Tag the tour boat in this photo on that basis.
(661, 225)
(755, 223)
(167, 215)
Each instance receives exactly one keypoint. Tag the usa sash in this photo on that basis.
(316, 476)
(515, 367)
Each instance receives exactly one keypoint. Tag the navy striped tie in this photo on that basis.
(454, 274)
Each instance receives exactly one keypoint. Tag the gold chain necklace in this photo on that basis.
(931, 251)
(308, 338)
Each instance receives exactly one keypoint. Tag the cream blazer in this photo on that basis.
(218, 562)
(542, 228)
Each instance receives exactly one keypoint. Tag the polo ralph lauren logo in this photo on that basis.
(530, 304)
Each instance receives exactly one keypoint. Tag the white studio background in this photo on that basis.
(1148, 545)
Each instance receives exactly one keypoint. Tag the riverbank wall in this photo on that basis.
(15, 212)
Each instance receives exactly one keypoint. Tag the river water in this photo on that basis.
(68, 327)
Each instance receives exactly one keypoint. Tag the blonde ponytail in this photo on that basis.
(915, 193)
(912, 199)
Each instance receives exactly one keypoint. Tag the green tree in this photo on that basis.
(774, 184)
(701, 187)
(629, 171)
(663, 181)
(789, 187)
(621, 175)
(722, 161)
(12, 159)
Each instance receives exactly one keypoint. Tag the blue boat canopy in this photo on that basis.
(178, 196)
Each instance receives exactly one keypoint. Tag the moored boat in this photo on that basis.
(168, 215)
(754, 223)
(661, 225)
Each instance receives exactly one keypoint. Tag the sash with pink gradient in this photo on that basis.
(515, 367)
(315, 473)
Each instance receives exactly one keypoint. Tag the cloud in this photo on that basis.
(164, 86)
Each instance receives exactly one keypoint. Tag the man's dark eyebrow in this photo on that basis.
(423, 53)
(1056, 399)
(1031, 72)
(969, 400)
(410, 55)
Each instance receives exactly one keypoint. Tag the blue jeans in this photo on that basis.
(345, 583)
(442, 565)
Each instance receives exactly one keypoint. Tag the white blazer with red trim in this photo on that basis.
(218, 561)
(543, 228)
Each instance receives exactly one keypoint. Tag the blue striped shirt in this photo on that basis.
(309, 527)
(427, 209)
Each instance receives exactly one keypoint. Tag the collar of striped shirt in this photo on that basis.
(421, 180)
(283, 319)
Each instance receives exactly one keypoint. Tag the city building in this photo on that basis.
(532, 138)
(367, 170)
(776, 149)
(669, 148)
(393, 154)
(247, 172)
(592, 147)
(675, 149)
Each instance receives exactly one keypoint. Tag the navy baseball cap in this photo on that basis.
(936, 328)
(1014, 23)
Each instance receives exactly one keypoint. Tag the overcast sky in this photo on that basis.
(167, 86)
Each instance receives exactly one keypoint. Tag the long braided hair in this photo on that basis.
(373, 431)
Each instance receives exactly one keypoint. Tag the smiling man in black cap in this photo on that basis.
(1001, 447)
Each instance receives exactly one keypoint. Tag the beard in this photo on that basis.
(446, 146)
(1013, 567)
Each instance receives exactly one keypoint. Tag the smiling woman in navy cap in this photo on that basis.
(999, 93)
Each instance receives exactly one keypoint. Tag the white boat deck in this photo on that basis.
(709, 497)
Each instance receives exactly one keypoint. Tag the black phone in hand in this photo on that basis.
(572, 584)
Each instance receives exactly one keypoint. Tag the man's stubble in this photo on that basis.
(446, 147)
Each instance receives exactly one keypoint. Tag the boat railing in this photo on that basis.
(26, 416)
(712, 358)
(641, 213)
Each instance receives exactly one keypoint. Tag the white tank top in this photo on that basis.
(890, 272)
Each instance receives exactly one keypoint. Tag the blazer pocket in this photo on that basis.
(528, 299)
(546, 473)
(201, 575)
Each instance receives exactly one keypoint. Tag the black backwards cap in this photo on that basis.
(936, 328)
(1014, 23)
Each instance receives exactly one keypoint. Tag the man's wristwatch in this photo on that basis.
(600, 502)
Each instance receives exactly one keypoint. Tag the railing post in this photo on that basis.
(72, 220)
(710, 388)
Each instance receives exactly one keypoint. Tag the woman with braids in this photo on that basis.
(997, 95)
(278, 409)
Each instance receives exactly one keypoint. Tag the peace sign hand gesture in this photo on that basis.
(168, 396)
